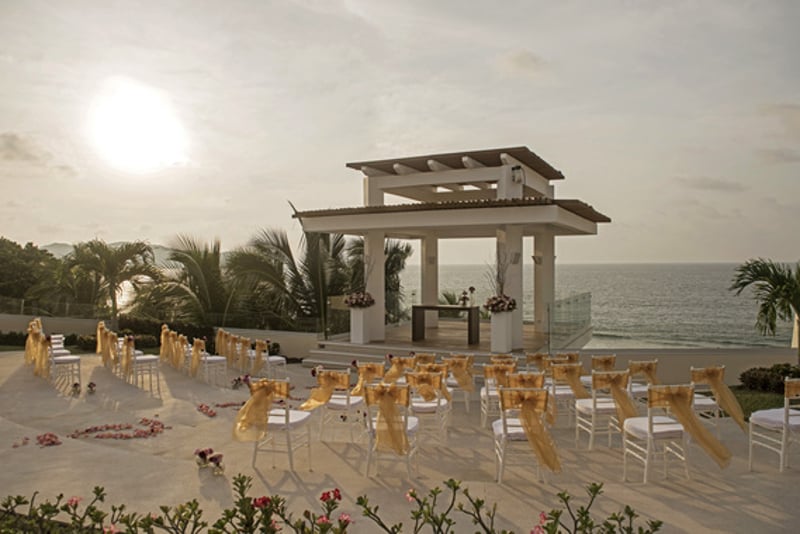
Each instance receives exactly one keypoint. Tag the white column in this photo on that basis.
(510, 183)
(429, 278)
(544, 281)
(509, 249)
(373, 196)
(374, 270)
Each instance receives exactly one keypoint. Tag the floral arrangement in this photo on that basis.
(216, 461)
(205, 409)
(239, 381)
(466, 296)
(76, 389)
(201, 456)
(316, 370)
(359, 299)
(500, 303)
(90, 389)
(48, 439)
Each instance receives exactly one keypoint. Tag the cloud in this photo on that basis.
(14, 147)
(705, 183)
(523, 62)
(788, 115)
(779, 155)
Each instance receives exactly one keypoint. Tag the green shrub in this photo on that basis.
(13, 339)
(269, 515)
(769, 379)
(87, 343)
(274, 348)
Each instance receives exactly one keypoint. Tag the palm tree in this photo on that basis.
(777, 290)
(296, 288)
(396, 254)
(196, 282)
(111, 266)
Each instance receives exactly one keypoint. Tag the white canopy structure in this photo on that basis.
(505, 193)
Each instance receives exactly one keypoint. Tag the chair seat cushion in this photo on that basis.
(339, 402)
(703, 403)
(663, 427)
(489, 392)
(638, 391)
(586, 380)
(277, 418)
(419, 405)
(149, 358)
(213, 359)
(66, 359)
(604, 406)
(413, 425)
(564, 392)
(515, 431)
(774, 419)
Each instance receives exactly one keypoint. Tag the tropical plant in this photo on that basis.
(296, 289)
(396, 253)
(776, 288)
(111, 266)
(195, 283)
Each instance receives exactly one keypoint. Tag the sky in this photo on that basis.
(124, 121)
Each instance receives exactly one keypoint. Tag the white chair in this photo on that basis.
(57, 345)
(271, 362)
(509, 435)
(214, 369)
(147, 366)
(378, 422)
(705, 405)
(566, 379)
(600, 411)
(494, 375)
(434, 414)
(289, 423)
(653, 435)
(777, 428)
(66, 366)
(461, 364)
(605, 362)
(341, 408)
(639, 369)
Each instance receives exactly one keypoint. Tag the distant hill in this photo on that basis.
(60, 250)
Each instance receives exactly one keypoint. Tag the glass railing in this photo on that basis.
(570, 321)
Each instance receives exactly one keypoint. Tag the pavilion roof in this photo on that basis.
(575, 206)
(456, 160)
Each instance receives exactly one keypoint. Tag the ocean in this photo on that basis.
(637, 305)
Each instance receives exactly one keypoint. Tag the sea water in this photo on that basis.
(636, 305)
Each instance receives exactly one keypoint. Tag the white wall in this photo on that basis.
(52, 325)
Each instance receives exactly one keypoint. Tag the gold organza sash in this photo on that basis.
(424, 357)
(526, 380)
(179, 355)
(253, 418)
(101, 337)
(713, 376)
(390, 434)
(258, 361)
(791, 388)
(646, 368)
(571, 374)
(460, 367)
(399, 365)
(617, 383)
(218, 341)
(425, 384)
(163, 351)
(499, 373)
(536, 359)
(32, 343)
(244, 347)
(367, 372)
(679, 400)
(604, 363)
(41, 362)
(327, 382)
(532, 403)
(198, 348)
(127, 356)
(441, 368)
(571, 357)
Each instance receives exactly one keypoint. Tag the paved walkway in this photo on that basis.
(144, 473)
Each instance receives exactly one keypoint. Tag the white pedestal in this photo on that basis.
(501, 331)
(359, 330)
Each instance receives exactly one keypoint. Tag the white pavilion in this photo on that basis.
(505, 193)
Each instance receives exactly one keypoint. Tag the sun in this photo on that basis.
(135, 129)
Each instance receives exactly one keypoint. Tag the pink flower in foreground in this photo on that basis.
(410, 494)
(337, 494)
(542, 518)
(345, 519)
(325, 497)
(261, 502)
(110, 529)
(537, 530)
(323, 520)
(73, 502)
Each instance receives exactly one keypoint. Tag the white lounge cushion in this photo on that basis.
(339, 402)
(213, 359)
(703, 403)
(413, 425)
(277, 418)
(419, 405)
(515, 432)
(66, 359)
(774, 419)
(663, 427)
(275, 359)
(604, 406)
(59, 352)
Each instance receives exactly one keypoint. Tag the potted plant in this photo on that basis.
(500, 306)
